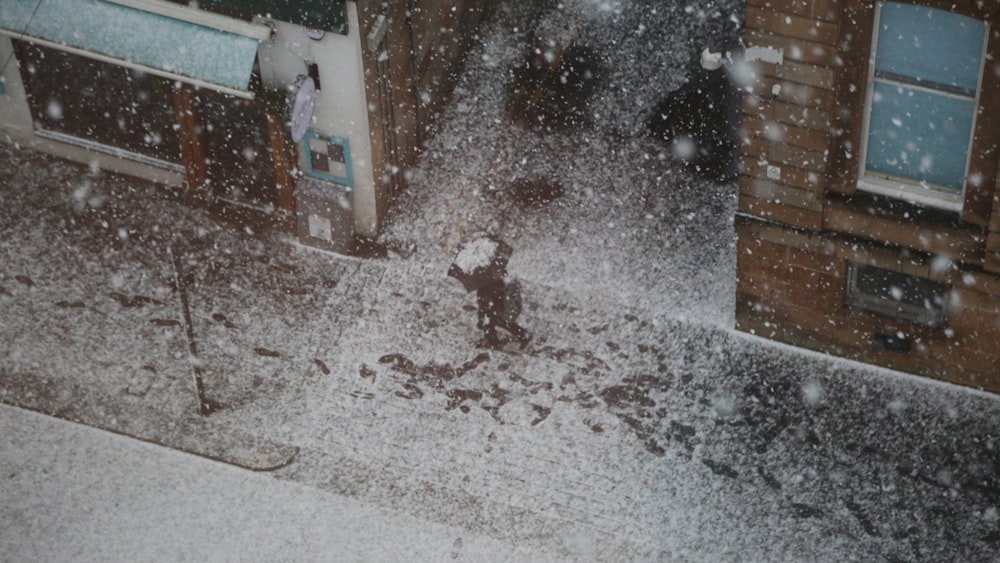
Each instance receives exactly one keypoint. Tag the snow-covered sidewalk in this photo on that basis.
(74, 493)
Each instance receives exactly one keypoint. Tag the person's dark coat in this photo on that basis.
(489, 299)
(493, 314)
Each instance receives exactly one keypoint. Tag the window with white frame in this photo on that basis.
(921, 105)
(895, 294)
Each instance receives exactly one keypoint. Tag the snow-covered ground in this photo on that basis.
(637, 425)
(75, 493)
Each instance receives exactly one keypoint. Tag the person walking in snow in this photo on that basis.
(481, 266)
(494, 312)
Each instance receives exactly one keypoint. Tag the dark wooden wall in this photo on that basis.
(801, 221)
(410, 76)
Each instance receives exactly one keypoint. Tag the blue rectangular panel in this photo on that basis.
(929, 45)
(127, 34)
(328, 158)
(919, 135)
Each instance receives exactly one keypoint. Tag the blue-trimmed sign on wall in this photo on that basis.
(329, 158)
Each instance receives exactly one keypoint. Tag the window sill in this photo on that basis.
(911, 194)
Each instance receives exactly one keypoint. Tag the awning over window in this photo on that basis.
(178, 49)
(328, 15)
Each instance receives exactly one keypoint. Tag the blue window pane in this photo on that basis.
(919, 135)
(930, 45)
(137, 36)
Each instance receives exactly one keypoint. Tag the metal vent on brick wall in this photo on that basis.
(897, 295)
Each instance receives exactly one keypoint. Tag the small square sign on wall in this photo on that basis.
(328, 157)
(320, 227)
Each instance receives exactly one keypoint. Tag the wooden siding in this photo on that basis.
(809, 110)
(787, 111)
(282, 152)
(965, 245)
(800, 222)
(409, 76)
(986, 138)
(192, 150)
(443, 31)
(791, 286)
(857, 18)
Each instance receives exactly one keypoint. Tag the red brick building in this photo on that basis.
(869, 214)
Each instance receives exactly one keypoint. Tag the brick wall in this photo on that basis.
(800, 225)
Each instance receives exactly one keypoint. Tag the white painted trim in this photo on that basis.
(927, 89)
(910, 191)
(257, 31)
(128, 64)
(108, 149)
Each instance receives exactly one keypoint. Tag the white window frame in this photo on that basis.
(903, 188)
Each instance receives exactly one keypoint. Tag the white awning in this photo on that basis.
(153, 36)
